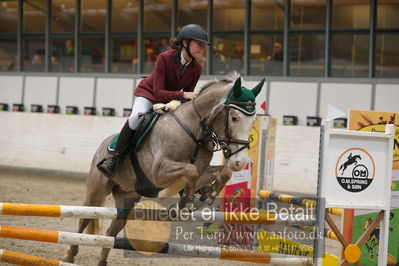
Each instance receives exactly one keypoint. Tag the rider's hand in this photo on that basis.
(189, 95)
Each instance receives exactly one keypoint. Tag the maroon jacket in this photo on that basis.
(164, 83)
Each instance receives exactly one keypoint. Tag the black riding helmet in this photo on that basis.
(192, 32)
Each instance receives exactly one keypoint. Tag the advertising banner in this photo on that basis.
(240, 192)
(375, 121)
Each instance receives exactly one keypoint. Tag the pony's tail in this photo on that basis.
(94, 227)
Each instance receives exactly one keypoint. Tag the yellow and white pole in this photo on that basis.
(327, 232)
(285, 198)
(20, 209)
(261, 217)
(23, 259)
(147, 246)
(56, 236)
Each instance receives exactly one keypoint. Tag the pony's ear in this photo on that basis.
(237, 88)
(258, 87)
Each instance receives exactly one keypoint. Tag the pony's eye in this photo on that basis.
(235, 119)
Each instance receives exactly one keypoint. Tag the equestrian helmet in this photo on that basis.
(193, 32)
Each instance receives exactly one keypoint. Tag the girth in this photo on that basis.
(143, 184)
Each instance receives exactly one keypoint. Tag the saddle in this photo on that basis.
(143, 185)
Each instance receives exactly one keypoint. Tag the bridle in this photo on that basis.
(210, 136)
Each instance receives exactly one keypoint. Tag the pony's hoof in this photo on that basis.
(190, 206)
(102, 263)
(174, 211)
(203, 197)
(68, 259)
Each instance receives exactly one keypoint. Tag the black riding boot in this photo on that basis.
(125, 137)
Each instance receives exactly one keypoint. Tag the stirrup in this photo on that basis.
(104, 170)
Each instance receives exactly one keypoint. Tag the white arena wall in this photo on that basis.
(301, 97)
(52, 141)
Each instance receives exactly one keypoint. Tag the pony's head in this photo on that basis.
(240, 115)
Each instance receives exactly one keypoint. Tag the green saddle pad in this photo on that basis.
(144, 128)
(112, 145)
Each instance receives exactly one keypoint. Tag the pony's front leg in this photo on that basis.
(222, 179)
(213, 180)
(187, 198)
(168, 171)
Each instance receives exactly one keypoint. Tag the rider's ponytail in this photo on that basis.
(175, 43)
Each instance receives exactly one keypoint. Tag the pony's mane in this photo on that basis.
(230, 78)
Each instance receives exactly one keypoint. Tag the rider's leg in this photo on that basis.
(141, 105)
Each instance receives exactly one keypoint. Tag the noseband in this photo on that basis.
(210, 136)
(225, 143)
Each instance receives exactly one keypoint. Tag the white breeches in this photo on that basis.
(141, 105)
